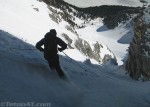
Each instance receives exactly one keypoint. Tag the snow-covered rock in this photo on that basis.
(138, 63)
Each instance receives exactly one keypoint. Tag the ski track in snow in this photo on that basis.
(106, 86)
(25, 75)
(97, 85)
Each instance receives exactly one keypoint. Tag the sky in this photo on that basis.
(26, 77)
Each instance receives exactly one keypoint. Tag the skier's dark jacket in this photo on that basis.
(50, 42)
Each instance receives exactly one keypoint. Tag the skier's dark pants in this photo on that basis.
(54, 64)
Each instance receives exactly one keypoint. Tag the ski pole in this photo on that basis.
(23, 49)
(75, 62)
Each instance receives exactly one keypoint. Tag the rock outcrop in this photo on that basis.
(138, 62)
(91, 50)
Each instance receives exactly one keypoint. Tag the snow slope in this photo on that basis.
(117, 40)
(88, 3)
(26, 77)
(20, 18)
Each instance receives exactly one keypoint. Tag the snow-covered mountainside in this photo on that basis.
(26, 78)
(88, 3)
(94, 79)
(33, 19)
(36, 14)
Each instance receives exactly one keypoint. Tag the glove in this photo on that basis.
(41, 49)
(60, 49)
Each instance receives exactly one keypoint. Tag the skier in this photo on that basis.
(50, 42)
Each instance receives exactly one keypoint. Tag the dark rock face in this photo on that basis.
(138, 62)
